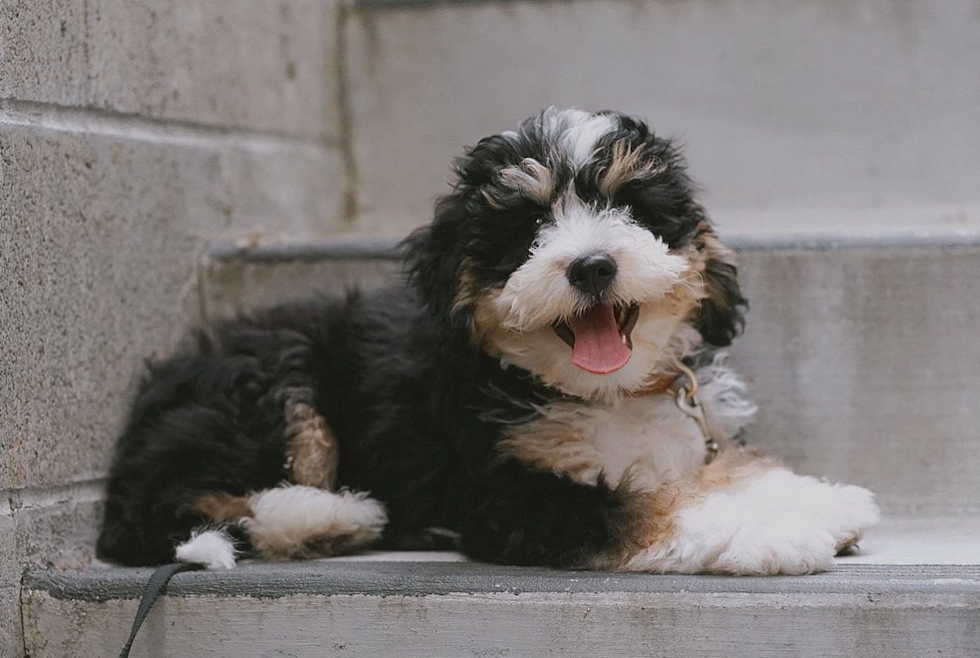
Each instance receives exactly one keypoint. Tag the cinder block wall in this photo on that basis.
(131, 135)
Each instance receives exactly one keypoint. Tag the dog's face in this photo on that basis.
(573, 248)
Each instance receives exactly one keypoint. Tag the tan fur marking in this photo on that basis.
(312, 450)
(627, 164)
(467, 291)
(220, 506)
(531, 178)
(488, 330)
(329, 544)
(713, 248)
(549, 445)
(705, 247)
(648, 521)
(734, 466)
(654, 514)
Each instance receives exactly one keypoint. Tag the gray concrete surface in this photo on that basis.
(266, 66)
(235, 280)
(864, 364)
(832, 113)
(103, 225)
(45, 526)
(103, 230)
(443, 609)
(344, 577)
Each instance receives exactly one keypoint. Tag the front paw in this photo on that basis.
(792, 524)
(781, 544)
(845, 511)
(780, 523)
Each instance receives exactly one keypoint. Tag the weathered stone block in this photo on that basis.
(256, 66)
(42, 51)
(101, 235)
(236, 281)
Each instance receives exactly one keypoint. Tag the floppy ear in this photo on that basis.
(720, 318)
(432, 258)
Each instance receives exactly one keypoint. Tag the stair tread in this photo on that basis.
(412, 604)
(384, 578)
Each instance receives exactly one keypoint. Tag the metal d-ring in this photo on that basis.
(687, 401)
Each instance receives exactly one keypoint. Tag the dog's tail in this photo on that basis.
(289, 522)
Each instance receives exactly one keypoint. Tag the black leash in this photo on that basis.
(154, 588)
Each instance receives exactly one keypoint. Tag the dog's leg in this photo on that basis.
(745, 515)
(291, 522)
(298, 522)
(312, 451)
(537, 517)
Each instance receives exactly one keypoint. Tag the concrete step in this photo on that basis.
(435, 608)
(861, 352)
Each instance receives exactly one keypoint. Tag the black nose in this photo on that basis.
(592, 274)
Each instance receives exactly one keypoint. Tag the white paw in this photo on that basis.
(215, 549)
(780, 523)
(780, 544)
(295, 522)
(846, 511)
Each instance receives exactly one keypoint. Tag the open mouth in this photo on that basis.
(600, 337)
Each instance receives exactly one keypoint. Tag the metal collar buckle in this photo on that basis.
(686, 397)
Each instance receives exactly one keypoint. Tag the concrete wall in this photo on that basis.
(132, 134)
(816, 113)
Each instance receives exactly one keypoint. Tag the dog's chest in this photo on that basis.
(647, 438)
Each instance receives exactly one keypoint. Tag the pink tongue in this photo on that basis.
(599, 347)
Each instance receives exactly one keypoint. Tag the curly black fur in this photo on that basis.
(416, 406)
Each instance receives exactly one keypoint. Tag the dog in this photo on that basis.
(543, 387)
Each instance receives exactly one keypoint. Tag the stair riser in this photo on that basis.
(536, 624)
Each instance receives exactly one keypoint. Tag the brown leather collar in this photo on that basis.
(659, 384)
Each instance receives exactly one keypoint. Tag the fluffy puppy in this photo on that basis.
(527, 391)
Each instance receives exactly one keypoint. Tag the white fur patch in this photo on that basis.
(580, 132)
(298, 521)
(539, 292)
(647, 438)
(213, 548)
(779, 523)
(722, 393)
